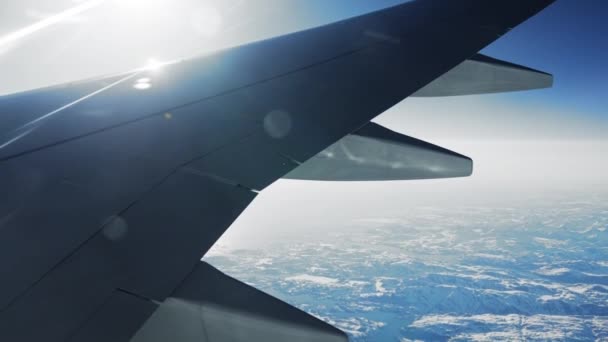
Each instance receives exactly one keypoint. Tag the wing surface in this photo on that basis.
(112, 191)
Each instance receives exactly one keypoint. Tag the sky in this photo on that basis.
(530, 142)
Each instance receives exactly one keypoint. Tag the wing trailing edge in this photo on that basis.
(210, 306)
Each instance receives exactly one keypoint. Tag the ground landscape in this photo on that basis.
(535, 271)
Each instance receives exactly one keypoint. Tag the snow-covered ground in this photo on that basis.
(533, 272)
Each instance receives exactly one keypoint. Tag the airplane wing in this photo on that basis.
(114, 188)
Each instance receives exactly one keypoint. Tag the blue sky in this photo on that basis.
(569, 40)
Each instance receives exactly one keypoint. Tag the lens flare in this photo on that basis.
(51, 20)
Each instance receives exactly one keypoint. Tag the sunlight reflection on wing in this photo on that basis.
(18, 137)
(58, 110)
(154, 64)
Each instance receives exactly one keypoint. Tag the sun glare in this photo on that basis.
(143, 83)
(49, 21)
(207, 21)
(153, 65)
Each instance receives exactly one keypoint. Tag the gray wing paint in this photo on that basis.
(112, 191)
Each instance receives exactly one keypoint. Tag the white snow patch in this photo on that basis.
(379, 287)
(564, 295)
(594, 274)
(356, 283)
(403, 262)
(318, 280)
(515, 327)
(549, 243)
(262, 263)
(354, 326)
(493, 256)
(553, 271)
(508, 335)
(580, 289)
(476, 277)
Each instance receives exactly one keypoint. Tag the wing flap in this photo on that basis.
(117, 320)
(212, 307)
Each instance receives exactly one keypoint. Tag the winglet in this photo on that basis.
(486, 75)
(376, 153)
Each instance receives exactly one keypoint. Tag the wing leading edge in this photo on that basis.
(113, 193)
